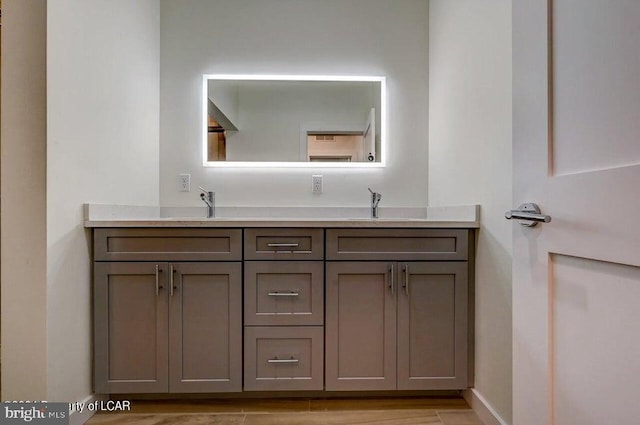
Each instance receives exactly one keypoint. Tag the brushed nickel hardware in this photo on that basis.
(283, 245)
(527, 214)
(375, 200)
(283, 294)
(406, 279)
(209, 198)
(171, 285)
(277, 360)
(158, 287)
(392, 274)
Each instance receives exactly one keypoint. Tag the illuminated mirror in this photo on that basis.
(293, 121)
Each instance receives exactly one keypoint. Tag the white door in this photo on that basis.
(576, 280)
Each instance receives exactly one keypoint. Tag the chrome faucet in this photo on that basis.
(375, 200)
(209, 198)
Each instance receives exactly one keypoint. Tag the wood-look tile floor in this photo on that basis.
(404, 411)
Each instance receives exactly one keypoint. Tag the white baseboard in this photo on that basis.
(79, 418)
(483, 409)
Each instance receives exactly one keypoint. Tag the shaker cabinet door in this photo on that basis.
(360, 326)
(130, 327)
(432, 325)
(205, 327)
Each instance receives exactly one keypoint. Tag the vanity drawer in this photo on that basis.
(283, 244)
(283, 358)
(397, 244)
(168, 244)
(280, 293)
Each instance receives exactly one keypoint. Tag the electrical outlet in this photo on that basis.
(316, 184)
(185, 182)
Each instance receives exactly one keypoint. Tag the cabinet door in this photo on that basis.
(205, 327)
(432, 326)
(360, 326)
(130, 327)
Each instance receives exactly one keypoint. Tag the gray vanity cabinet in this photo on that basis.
(162, 326)
(177, 330)
(397, 324)
(213, 310)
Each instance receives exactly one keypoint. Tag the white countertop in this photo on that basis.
(96, 215)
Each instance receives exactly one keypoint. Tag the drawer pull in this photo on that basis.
(283, 294)
(283, 245)
(277, 360)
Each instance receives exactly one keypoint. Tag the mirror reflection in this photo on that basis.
(302, 120)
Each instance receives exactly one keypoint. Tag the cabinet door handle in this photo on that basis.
(280, 361)
(283, 294)
(283, 245)
(406, 279)
(158, 286)
(171, 284)
(392, 279)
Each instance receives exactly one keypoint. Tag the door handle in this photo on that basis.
(406, 279)
(172, 286)
(158, 286)
(392, 279)
(528, 214)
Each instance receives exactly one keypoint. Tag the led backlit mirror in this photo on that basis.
(293, 121)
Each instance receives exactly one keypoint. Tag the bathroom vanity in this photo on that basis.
(216, 306)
